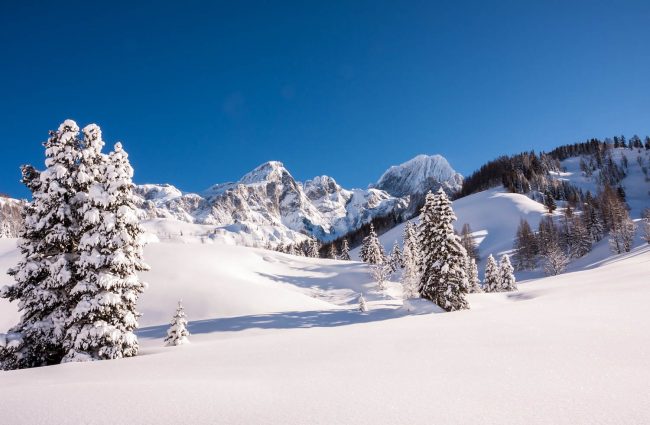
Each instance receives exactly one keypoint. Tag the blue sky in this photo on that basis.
(202, 92)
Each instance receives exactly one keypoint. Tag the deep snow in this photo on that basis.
(563, 350)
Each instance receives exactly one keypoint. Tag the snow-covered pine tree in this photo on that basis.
(491, 279)
(410, 275)
(332, 254)
(549, 202)
(374, 252)
(442, 279)
(474, 284)
(177, 333)
(345, 251)
(363, 307)
(291, 249)
(102, 323)
(48, 243)
(581, 238)
(591, 219)
(467, 241)
(395, 258)
(363, 250)
(506, 275)
(314, 248)
(526, 251)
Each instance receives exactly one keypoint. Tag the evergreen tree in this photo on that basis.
(395, 258)
(549, 202)
(591, 219)
(443, 279)
(102, 323)
(177, 333)
(313, 248)
(374, 252)
(44, 274)
(468, 243)
(491, 280)
(332, 254)
(506, 275)
(363, 307)
(345, 250)
(580, 238)
(410, 278)
(526, 250)
(471, 269)
(363, 251)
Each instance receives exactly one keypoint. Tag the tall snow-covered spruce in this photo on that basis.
(76, 282)
(177, 333)
(474, 284)
(507, 279)
(48, 244)
(443, 279)
(102, 323)
(410, 259)
(491, 279)
(345, 251)
(373, 252)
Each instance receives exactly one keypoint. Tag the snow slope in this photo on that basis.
(281, 343)
(637, 189)
(493, 215)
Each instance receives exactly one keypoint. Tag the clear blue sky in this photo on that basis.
(202, 92)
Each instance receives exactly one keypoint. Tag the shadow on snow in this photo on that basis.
(285, 320)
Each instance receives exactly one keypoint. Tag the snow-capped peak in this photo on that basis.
(269, 171)
(419, 175)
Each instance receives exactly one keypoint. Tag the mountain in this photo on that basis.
(420, 175)
(267, 205)
(10, 216)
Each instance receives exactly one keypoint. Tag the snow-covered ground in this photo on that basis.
(277, 340)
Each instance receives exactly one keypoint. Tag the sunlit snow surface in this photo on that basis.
(278, 340)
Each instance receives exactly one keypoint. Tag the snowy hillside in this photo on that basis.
(635, 183)
(494, 214)
(277, 339)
